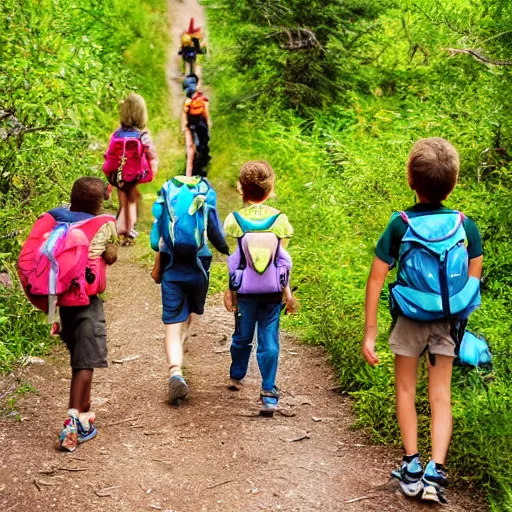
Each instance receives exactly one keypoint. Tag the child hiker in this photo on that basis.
(185, 219)
(259, 273)
(195, 124)
(63, 263)
(439, 257)
(130, 160)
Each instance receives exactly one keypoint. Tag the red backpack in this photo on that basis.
(54, 265)
(127, 157)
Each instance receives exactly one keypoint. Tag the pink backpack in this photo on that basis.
(54, 265)
(127, 157)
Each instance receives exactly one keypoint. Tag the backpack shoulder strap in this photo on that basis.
(91, 226)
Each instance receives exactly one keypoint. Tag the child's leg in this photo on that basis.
(121, 223)
(268, 343)
(174, 338)
(190, 148)
(439, 394)
(241, 342)
(132, 201)
(80, 391)
(406, 369)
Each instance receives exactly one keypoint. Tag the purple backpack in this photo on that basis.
(259, 264)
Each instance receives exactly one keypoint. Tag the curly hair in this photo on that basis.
(87, 195)
(256, 180)
(433, 168)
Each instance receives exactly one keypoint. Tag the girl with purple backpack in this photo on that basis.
(130, 160)
(259, 274)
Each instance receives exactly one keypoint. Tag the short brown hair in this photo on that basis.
(433, 168)
(133, 112)
(256, 180)
(87, 195)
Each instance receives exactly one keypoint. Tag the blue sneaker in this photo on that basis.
(409, 475)
(269, 402)
(178, 389)
(434, 482)
(85, 427)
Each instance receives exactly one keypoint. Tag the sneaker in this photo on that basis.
(85, 427)
(434, 482)
(269, 402)
(178, 389)
(235, 384)
(409, 475)
(68, 437)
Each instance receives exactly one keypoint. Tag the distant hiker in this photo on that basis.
(191, 47)
(439, 256)
(130, 159)
(259, 274)
(185, 218)
(195, 124)
(63, 264)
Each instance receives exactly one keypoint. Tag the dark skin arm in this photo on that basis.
(110, 254)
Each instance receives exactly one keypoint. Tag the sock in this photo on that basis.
(175, 370)
(86, 418)
(73, 413)
(409, 458)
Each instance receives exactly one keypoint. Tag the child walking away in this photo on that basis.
(259, 274)
(63, 264)
(185, 219)
(439, 257)
(195, 124)
(130, 160)
(191, 47)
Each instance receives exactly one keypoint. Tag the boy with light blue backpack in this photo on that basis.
(185, 218)
(439, 256)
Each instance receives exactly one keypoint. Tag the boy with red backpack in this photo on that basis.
(63, 264)
(259, 280)
(130, 160)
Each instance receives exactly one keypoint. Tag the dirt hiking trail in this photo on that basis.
(213, 452)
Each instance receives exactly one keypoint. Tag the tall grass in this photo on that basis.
(341, 173)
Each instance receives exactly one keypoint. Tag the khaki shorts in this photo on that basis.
(410, 338)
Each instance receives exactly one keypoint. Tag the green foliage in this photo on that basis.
(64, 68)
(340, 160)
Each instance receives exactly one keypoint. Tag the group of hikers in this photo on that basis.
(62, 266)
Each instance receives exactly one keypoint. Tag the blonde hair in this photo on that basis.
(256, 180)
(133, 112)
(433, 168)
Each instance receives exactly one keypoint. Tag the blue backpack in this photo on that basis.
(474, 351)
(184, 220)
(433, 281)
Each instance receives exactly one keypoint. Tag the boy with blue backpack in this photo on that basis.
(439, 256)
(259, 275)
(186, 218)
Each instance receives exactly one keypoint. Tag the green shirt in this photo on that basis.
(388, 246)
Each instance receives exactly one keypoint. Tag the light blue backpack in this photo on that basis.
(474, 351)
(183, 223)
(433, 281)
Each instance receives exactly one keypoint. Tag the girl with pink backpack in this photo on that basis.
(130, 159)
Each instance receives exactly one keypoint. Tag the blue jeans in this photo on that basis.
(251, 312)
